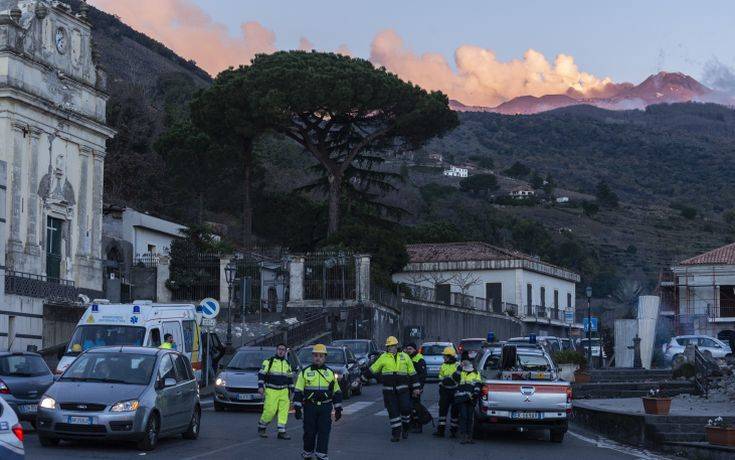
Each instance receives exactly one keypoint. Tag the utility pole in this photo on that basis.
(588, 291)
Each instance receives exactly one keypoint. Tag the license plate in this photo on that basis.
(79, 420)
(526, 415)
(28, 408)
(246, 397)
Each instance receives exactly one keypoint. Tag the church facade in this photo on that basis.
(53, 135)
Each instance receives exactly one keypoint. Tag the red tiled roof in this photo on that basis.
(458, 252)
(724, 255)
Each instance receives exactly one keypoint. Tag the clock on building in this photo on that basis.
(61, 40)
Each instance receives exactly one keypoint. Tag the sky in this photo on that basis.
(481, 52)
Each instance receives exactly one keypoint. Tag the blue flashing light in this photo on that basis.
(95, 308)
(136, 308)
(491, 337)
(532, 338)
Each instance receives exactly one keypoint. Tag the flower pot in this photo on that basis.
(567, 371)
(656, 406)
(582, 377)
(720, 436)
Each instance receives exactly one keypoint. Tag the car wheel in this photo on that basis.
(193, 431)
(557, 436)
(218, 407)
(47, 441)
(150, 436)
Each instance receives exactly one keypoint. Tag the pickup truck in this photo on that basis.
(522, 391)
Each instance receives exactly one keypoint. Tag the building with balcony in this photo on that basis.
(479, 275)
(704, 292)
(53, 134)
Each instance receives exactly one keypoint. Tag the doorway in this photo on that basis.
(53, 248)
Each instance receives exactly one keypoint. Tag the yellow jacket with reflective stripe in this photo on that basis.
(395, 371)
(275, 373)
(446, 375)
(469, 386)
(317, 385)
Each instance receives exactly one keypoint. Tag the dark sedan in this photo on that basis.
(24, 377)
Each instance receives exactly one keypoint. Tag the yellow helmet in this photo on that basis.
(319, 348)
(449, 351)
(76, 348)
(390, 341)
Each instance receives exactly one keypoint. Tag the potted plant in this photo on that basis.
(570, 363)
(655, 404)
(720, 433)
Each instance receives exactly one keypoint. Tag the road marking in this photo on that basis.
(433, 410)
(605, 443)
(356, 407)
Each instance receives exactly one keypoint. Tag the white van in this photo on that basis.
(141, 323)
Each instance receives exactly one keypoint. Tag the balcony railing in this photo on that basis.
(43, 287)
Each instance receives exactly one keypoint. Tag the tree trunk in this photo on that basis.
(247, 202)
(335, 185)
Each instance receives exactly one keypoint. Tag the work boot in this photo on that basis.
(261, 433)
(439, 433)
(395, 434)
(404, 432)
(283, 435)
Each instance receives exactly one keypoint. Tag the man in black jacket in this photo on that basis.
(420, 365)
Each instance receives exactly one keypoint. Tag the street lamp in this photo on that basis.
(588, 291)
(230, 272)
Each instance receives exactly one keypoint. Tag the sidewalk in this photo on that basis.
(681, 406)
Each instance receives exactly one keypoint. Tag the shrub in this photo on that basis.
(686, 370)
(570, 357)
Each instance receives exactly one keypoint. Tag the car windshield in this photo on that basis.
(22, 366)
(100, 335)
(334, 356)
(433, 350)
(125, 368)
(472, 345)
(248, 360)
(525, 362)
(357, 346)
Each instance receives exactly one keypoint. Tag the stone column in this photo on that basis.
(296, 279)
(362, 277)
(15, 245)
(83, 246)
(163, 271)
(97, 190)
(3, 226)
(32, 242)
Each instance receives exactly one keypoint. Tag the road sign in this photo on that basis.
(569, 317)
(594, 324)
(209, 308)
(209, 322)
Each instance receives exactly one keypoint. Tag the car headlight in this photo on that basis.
(337, 376)
(48, 403)
(125, 406)
(220, 382)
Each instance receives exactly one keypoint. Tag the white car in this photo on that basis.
(709, 346)
(582, 345)
(11, 434)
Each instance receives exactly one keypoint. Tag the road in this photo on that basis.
(362, 433)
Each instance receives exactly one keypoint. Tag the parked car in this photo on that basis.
(550, 344)
(525, 395)
(124, 393)
(344, 364)
(471, 346)
(433, 357)
(365, 350)
(11, 434)
(24, 377)
(582, 345)
(709, 346)
(237, 384)
(567, 343)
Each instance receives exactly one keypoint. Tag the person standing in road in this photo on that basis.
(447, 387)
(317, 391)
(275, 381)
(467, 394)
(396, 371)
(420, 365)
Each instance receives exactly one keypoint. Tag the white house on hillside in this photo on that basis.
(704, 288)
(522, 192)
(507, 280)
(456, 171)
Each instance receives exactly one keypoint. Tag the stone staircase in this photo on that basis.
(674, 429)
(630, 383)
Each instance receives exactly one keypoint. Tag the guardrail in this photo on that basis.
(296, 334)
(703, 370)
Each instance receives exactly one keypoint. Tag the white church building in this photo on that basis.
(53, 134)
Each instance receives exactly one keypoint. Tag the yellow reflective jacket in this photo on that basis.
(317, 385)
(446, 375)
(469, 387)
(275, 373)
(395, 371)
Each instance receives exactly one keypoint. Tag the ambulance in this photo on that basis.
(141, 323)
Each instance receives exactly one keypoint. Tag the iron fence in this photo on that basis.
(146, 260)
(457, 299)
(194, 277)
(329, 276)
(267, 269)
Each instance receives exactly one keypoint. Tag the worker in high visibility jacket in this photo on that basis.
(396, 371)
(420, 365)
(469, 384)
(317, 392)
(447, 387)
(275, 382)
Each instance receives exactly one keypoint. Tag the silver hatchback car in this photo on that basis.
(122, 393)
